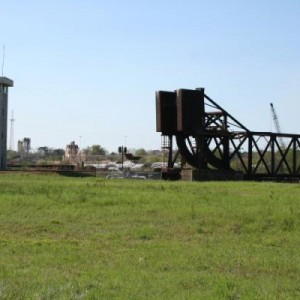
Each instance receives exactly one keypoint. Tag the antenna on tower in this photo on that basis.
(11, 142)
(3, 59)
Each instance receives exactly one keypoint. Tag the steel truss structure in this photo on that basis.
(208, 137)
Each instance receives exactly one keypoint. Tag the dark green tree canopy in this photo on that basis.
(95, 150)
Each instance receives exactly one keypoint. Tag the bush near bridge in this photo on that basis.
(91, 238)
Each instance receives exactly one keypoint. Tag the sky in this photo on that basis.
(87, 71)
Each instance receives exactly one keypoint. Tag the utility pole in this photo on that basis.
(3, 59)
(122, 150)
(11, 141)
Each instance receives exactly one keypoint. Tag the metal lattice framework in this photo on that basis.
(208, 137)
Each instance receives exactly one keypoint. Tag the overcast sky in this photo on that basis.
(87, 71)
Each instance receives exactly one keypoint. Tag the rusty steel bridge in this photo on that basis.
(210, 138)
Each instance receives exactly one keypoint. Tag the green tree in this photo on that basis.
(141, 152)
(12, 154)
(95, 150)
(58, 152)
(43, 150)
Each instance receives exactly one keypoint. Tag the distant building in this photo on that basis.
(5, 83)
(72, 149)
(71, 152)
(24, 146)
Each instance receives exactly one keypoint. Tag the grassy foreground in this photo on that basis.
(91, 238)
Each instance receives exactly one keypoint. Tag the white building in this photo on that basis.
(24, 146)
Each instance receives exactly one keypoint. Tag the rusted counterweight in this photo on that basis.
(166, 115)
(190, 111)
(208, 137)
(180, 111)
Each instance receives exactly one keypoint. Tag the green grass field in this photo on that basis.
(91, 238)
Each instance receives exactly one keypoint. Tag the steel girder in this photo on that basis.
(222, 142)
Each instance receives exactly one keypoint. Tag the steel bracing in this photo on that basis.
(219, 141)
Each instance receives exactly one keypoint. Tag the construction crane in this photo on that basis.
(276, 122)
